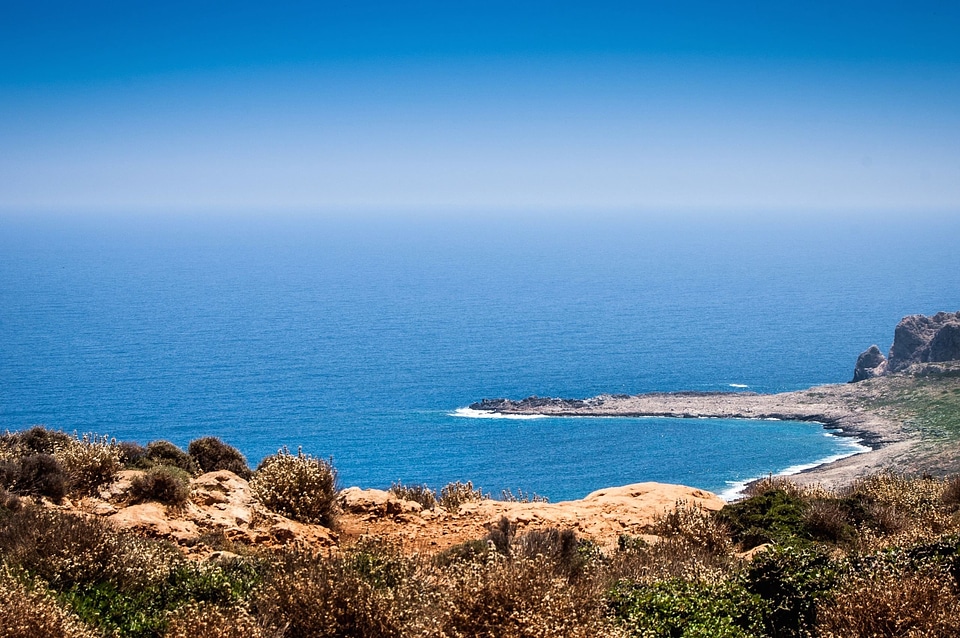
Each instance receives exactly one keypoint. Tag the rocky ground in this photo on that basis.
(222, 513)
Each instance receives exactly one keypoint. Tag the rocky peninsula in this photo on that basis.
(905, 408)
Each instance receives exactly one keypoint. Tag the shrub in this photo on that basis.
(62, 549)
(683, 608)
(477, 550)
(561, 548)
(417, 493)
(133, 455)
(89, 462)
(144, 611)
(692, 524)
(164, 484)
(299, 486)
(27, 612)
(827, 520)
(166, 453)
(768, 516)
(453, 495)
(36, 475)
(212, 454)
(522, 597)
(792, 581)
(522, 497)
(204, 620)
(9, 501)
(501, 535)
(885, 600)
(368, 591)
(950, 496)
(40, 440)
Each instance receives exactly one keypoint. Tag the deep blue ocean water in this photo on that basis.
(358, 338)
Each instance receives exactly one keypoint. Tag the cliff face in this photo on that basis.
(917, 339)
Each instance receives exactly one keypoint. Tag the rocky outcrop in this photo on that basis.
(222, 507)
(221, 504)
(871, 363)
(496, 405)
(917, 340)
(602, 516)
(922, 339)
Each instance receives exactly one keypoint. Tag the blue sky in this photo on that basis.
(479, 106)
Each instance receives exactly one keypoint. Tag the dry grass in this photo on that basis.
(203, 620)
(421, 494)
(28, 612)
(453, 495)
(887, 600)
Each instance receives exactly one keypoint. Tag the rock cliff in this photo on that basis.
(917, 339)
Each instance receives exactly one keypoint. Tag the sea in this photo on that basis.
(363, 337)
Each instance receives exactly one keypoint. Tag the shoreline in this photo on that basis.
(838, 408)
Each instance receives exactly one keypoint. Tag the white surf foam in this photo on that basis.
(738, 385)
(853, 445)
(483, 414)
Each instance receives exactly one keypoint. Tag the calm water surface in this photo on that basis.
(359, 338)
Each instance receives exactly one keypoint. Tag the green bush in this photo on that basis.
(298, 486)
(689, 609)
(166, 453)
(776, 515)
(212, 454)
(164, 484)
(144, 611)
(792, 580)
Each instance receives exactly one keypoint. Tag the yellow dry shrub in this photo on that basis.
(90, 461)
(30, 613)
(887, 600)
(299, 486)
(204, 620)
(521, 598)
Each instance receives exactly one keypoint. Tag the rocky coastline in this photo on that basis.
(879, 407)
(836, 407)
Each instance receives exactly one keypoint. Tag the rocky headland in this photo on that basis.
(917, 340)
(905, 408)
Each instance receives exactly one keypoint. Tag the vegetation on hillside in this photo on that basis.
(879, 558)
(928, 401)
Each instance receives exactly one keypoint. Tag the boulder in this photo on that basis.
(375, 503)
(871, 363)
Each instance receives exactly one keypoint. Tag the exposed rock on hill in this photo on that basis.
(871, 363)
(917, 339)
(222, 505)
(921, 339)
